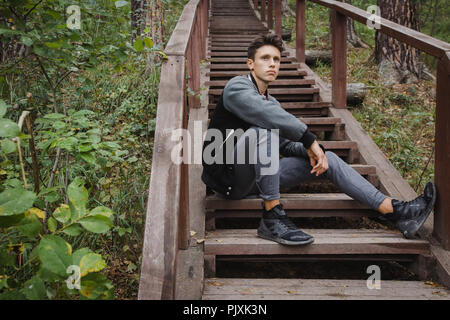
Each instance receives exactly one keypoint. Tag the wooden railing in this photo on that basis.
(437, 48)
(167, 219)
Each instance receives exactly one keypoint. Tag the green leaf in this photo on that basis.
(3, 107)
(62, 213)
(8, 146)
(78, 197)
(7, 259)
(12, 295)
(8, 129)
(148, 42)
(30, 226)
(67, 143)
(8, 221)
(120, 3)
(101, 210)
(73, 230)
(91, 262)
(27, 41)
(15, 201)
(138, 44)
(54, 254)
(34, 289)
(52, 224)
(97, 223)
(96, 286)
(80, 253)
(88, 157)
(54, 116)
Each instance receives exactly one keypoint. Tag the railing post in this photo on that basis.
(278, 25)
(255, 4)
(442, 153)
(339, 59)
(270, 14)
(300, 31)
(263, 10)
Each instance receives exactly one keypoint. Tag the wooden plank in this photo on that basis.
(278, 22)
(282, 73)
(303, 201)
(275, 91)
(412, 37)
(158, 268)
(442, 154)
(285, 82)
(300, 30)
(339, 59)
(238, 288)
(294, 213)
(235, 54)
(244, 60)
(327, 241)
(244, 66)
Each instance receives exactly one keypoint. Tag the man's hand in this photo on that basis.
(317, 159)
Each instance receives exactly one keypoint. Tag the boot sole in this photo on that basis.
(412, 226)
(285, 242)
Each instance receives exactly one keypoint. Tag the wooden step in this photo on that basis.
(319, 289)
(234, 73)
(327, 241)
(275, 91)
(244, 66)
(290, 201)
(244, 60)
(274, 84)
(234, 54)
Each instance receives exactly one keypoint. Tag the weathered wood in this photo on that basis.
(319, 201)
(270, 14)
(428, 44)
(276, 83)
(278, 22)
(327, 241)
(300, 30)
(298, 289)
(442, 154)
(282, 73)
(244, 66)
(158, 268)
(339, 59)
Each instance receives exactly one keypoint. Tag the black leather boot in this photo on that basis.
(276, 226)
(409, 216)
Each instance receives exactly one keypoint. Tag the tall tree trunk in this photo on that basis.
(398, 62)
(137, 18)
(154, 25)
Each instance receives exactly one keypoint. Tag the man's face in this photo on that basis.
(266, 64)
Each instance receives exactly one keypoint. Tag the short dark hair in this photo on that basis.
(262, 40)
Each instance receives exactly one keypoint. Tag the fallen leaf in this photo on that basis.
(200, 240)
(193, 233)
(291, 291)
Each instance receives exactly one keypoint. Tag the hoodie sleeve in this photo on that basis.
(241, 98)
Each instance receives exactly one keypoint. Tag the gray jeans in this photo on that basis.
(291, 171)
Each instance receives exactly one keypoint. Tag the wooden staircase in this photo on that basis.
(233, 25)
(192, 237)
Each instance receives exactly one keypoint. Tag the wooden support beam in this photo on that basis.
(263, 10)
(442, 154)
(300, 31)
(270, 14)
(339, 59)
(278, 23)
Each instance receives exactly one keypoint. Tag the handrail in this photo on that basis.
(167, 218)
(428, 44)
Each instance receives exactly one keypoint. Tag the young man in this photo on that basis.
(246, 112)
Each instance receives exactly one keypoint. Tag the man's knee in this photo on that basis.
(332, 158)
